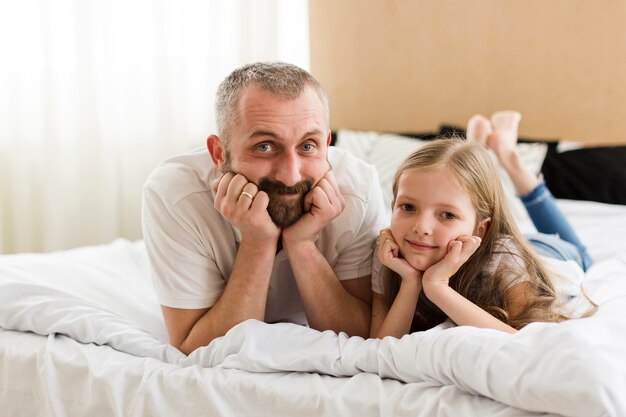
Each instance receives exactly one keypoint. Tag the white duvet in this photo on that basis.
(103, 296)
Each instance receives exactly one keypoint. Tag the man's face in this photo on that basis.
(281, 146)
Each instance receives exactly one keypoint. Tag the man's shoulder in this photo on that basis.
(355, 177)
(359, 184)
(181, 175)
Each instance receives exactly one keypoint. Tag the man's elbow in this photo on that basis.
(185, 348)
(188, 347)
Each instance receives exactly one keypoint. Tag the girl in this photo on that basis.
(453, 250)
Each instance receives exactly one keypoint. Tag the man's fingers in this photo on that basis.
(321, 195)
(223, 183)
(260, 202)
(329, 184)
(236, 187)
(215, 183)
(247, 195)
(308, 201)
(318, 198)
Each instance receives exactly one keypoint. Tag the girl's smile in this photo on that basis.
(431, 210)
(419, 246)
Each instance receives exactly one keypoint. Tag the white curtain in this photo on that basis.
(94, 93)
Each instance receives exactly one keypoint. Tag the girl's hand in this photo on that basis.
(459, 251)
(388, 254)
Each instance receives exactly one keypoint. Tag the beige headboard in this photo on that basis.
(410, 65)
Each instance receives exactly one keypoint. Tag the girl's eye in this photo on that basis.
(407, 207)
(264, 147)
(448, 216)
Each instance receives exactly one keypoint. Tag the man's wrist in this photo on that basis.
(299, 248)
(290, 237)
(260, 247)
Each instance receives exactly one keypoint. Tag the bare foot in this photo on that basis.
(478, 129)
(503, 142)
(504, 137)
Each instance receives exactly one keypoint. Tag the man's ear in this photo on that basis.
(216, 149)
(481, 229)
(329, 138)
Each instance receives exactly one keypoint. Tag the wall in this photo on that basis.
(409, 65)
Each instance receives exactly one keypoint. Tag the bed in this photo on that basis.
(81, 334)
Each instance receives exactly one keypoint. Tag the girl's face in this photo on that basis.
(429, 211)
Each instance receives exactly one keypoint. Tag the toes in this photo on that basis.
(478, 129)
(506, 122)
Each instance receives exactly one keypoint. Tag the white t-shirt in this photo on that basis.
(192, 248)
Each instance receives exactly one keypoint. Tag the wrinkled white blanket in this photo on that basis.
(576, 368)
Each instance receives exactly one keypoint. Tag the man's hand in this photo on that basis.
(459, 251)
(322, 204)
(245, 207)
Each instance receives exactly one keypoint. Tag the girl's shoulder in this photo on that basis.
(376, 282)
(505, 250)
(507, 263)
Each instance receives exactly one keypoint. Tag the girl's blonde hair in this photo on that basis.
(471, 166)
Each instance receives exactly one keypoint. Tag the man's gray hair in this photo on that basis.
(285, 81)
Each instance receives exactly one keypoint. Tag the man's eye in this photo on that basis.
(264, 147)
(308, 147)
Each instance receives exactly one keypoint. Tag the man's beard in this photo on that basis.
(283, 211)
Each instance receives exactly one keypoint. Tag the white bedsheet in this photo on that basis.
(98, 348)
(61, 377)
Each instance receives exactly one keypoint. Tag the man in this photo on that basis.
(269, 224)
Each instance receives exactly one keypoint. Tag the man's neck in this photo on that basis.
(279, 245)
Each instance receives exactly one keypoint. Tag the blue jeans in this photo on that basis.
(556, 238)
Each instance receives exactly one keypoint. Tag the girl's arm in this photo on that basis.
(458, 308)
(462, 311)
(517, 297)
(395, 321)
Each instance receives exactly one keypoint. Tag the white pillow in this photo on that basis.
(383, 150)
(387, 150)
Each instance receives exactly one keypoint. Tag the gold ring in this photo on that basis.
(247, 194)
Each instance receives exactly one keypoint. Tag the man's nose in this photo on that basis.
(288, 169)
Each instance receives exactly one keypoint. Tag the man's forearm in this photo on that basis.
(327, 304)
(244, 297)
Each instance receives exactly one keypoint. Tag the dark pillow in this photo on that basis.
(451, 130)
(596, 174)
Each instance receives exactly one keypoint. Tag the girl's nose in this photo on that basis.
(423, 225)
